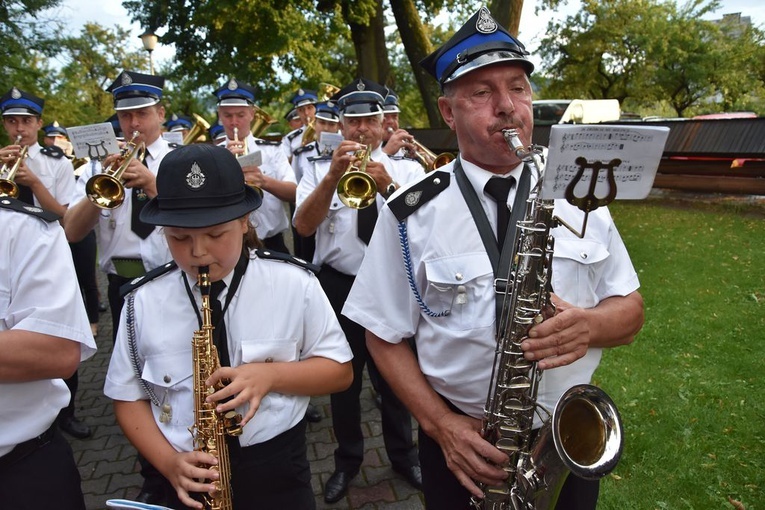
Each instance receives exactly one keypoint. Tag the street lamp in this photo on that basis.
(149, 40)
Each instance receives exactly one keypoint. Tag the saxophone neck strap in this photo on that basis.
(239, 270)
(500, 262)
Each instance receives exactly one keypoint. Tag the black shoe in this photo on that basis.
(151, 497)
(312, 414)
(337, 486)
(412, 474)
(102, 307)
(75, 427)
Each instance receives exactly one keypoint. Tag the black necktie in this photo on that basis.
(219, 333)
(367, 220)
(140, 199)
(499, 189)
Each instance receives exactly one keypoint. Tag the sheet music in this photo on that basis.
(639, 148)
(94, 141)
(328, 142)
(254, 158)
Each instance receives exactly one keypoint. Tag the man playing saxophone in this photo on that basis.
(429, 273)
(274, 333)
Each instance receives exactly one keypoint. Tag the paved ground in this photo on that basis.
(108, 465)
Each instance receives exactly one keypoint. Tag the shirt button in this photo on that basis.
(583, 255)
(269, 359)
(459, 277)
(167, 379)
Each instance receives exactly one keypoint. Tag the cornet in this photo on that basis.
(106, 190)
(427, 158)
(246, 151)
(8, 187)
(356, 188)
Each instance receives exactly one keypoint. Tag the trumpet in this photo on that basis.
(356, 188)
(106, 190)
(199, 128)
(427, 158)
(246, 151)
(8, 187)
(309, 133)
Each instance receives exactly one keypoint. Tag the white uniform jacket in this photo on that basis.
(57, 174)
(279, 313)
(452, 272)
(337, 240)
(38, 292)
(115, 237)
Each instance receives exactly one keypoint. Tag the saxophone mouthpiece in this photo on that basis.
(203, 279)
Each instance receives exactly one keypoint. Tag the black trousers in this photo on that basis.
(276, 243)
(442, 491)
(46, 477)
(270, 475)
(346, 407)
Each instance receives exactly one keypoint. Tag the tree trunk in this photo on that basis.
(369, 44)
(507, 13)
(417, 47)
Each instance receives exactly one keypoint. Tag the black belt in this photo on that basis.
(26, 448)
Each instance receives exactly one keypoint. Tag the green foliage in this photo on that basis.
(688, 389)
(653, 54)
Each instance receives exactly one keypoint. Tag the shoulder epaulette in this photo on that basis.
(260, 141)
(422, 192)
(304, 148)
(23, 207)
(404, 157)
(53, 151)
(286, 257)
(321, 157)
(173, 145)
(291, 136)
(154, 273)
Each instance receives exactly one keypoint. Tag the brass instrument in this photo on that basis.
(309, 133)
(106, 190)
(427, 158)
(584, 434)
(261, 122)
(198, 130)
(326, 91)
(356, 188)
(8, 187)
(246, 148)
(210, 427)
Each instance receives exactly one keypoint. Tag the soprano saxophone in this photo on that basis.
(210, 427)
(583, 436)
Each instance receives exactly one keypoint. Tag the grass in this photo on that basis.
(690, 388)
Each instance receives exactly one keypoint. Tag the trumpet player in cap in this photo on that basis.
(273, 177)
(455, 224)
(395, 140)
(342, 233)
(39, 176)
(304, 105)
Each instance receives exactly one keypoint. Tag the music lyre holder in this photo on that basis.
(590, 201)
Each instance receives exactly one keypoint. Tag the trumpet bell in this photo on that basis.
(442, 159)
(8, 188)
(357, 189)
(196, 132)
(105, 192)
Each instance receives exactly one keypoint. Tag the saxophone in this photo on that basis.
(210, 427)
(583, 435)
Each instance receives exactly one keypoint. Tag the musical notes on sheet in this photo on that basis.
(638, 147)
(94, 141)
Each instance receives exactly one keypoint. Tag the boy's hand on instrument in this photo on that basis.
(185, 471)
(247, 383)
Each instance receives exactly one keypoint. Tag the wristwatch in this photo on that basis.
(390, 189)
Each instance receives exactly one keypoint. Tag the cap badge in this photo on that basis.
(485, 24)
(55, 123)
(232, 84)
(195, 178)
(15, 94)
(330, 104)
(412, 198)
(301, 92)
(126, 79)
(174, 117)
(360, 85)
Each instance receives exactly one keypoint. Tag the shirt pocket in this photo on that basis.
(577, 269)
(460, 284)
(170, 375)
(259, 350)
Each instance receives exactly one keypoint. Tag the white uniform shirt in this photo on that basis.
(279, 312)
(56, 174)
(337, 240)
(300, 159)
(38, 292)
(292, 141)
(271, 217)
(452, 272)
(115, 237)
